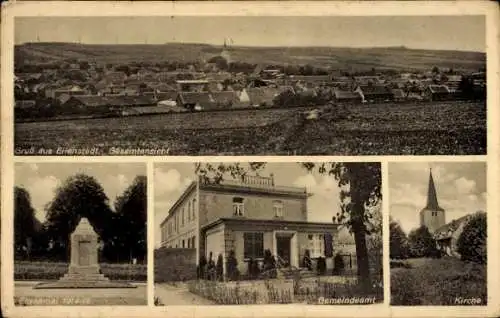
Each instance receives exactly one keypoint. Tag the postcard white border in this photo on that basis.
(313, 8)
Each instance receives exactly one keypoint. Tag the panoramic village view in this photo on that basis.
(82, 92)
(267, 233)
(438, 234)
(80, 234)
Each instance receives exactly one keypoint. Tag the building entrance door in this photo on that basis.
(284, 250)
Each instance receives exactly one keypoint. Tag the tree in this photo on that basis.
(24, 221)
(131, 212)
(361, 191)
(471, 244)
(79, 196)
(421, 243)
(435, 70)
(398, 241)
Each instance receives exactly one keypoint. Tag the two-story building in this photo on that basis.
(247, 216)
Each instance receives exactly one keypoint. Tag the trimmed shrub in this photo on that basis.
(219, 268)
(202, 267)
(338, 264)
(232, 267)
(269, 266)
(471, 244)
(306, 261)
(321, 266)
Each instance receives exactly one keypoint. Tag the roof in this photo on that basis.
(399, 93)
(432, 201)
(170, 95)
(260, 223)
(25, 103)
(439, 89)
(375, 89)
(447, 230)
(202, 98)
(189, 189)
(192, 81)
(154, 110)
(95, 101)
(262, 95)
(225, 97)
(341, 94)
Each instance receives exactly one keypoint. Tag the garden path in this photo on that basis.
(178, 295)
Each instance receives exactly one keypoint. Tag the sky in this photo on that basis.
(464, 33)
(460, 187)
(171, 179)
(42, 179)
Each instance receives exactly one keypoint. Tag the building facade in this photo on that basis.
(247, 216)
(432, 216)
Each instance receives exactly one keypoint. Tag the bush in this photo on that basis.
(321, 266)
(306, 261)
(253, 268)
(232, 267)
(55, 270)
(471, 244)
(338, 264)
(219, 268)
(202, 271)
(269, 267)
(422, 244)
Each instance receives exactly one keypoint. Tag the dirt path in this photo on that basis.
(178, 295)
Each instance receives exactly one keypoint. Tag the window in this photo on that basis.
(194, 241)
(194, 209)
(238, 206)
(189, 211)
(183, 216)
(316, 245)
(253, 245)
(278, 208)
(183, 244)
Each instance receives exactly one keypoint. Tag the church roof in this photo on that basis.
(432, 201)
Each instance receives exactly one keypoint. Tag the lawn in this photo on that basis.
(441, 128)
(427, 281)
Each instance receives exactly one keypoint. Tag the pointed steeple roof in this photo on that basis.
(432, 201)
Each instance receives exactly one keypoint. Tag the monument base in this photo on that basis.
(84, 277)
(83, 284)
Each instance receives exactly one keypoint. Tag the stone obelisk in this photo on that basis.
(83, 270)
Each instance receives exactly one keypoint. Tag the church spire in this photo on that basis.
(432, 201)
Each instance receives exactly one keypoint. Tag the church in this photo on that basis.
(433, 217)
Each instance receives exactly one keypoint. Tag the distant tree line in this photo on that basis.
(122, 230)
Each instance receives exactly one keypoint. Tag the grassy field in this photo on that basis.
(383, 129)
(338, 58)
(438, 282)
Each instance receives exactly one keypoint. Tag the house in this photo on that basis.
(225, 98)
(447, 235)
(195, 100)
(247, 216)
(109, 102)
(258, 96)
(367, 80)
(375, 93)
(437, 92)
(399, 94)
(344, 96)
(23, 104)
(72, 90)
(192, 85)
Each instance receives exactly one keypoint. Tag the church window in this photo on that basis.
(194, 209)
(238, 206)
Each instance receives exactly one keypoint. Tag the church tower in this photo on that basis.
(226, 52)
(432, 216)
